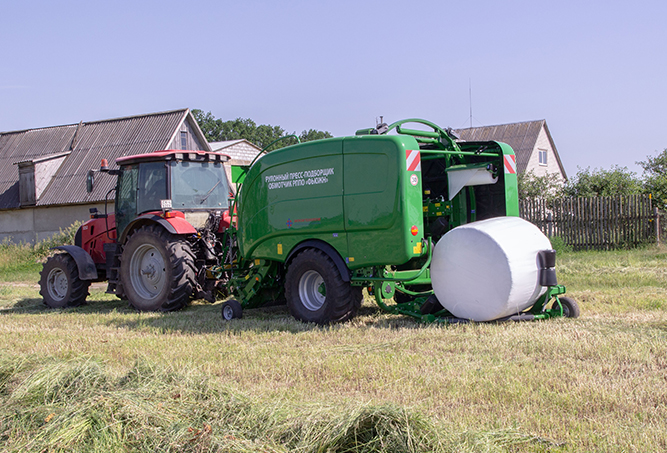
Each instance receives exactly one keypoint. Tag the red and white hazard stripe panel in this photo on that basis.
(510, 163)
(413, 160)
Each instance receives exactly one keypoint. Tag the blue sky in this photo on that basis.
(596, 71)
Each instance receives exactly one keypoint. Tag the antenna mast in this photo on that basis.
(470, 99)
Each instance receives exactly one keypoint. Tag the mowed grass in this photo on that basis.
(103, 377)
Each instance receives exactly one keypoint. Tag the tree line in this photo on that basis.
(603, 182)
(217, 130)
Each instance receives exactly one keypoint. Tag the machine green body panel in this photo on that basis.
(382, 200)
(354, 193)
(238, 173)
(511, 183)
(291, 194)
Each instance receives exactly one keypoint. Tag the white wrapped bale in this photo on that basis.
(488, 269)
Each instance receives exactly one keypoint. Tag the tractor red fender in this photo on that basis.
(84, 262)
(174, 222)
(225, 221)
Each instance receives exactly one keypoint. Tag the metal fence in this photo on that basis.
(596, 223)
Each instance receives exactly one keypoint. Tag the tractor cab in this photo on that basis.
(192, 182)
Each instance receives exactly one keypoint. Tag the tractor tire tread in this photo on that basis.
(78, 289)
(181, 273)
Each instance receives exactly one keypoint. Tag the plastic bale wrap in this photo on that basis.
(489, 269)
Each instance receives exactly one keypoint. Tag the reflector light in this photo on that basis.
(414, 230)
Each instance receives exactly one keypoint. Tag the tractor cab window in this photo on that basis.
(152, 186)
(126, 198)
(199, 185)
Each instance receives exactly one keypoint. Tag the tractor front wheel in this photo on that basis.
(316, 292)
(157, 270)
(59, 282)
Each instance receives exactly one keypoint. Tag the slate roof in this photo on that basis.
(242, 149)
(88, 143)
(522, 137)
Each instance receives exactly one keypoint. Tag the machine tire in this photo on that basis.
(59, 282)
(430, 306)
(570, 307)
(357, 298)
(232, 309)
(316, 292)
(157, 270)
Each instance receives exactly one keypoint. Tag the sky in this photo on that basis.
(596, 71)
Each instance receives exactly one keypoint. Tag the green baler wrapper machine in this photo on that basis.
(367, 208)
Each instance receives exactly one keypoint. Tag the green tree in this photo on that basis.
(655, 178)
(312, 134)
(211, 127)
(602, 183)
(216, 130)
(549, 186)
(655, 166)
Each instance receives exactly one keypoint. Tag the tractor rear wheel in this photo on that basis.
(316, 292)
(59, 282)
(157, 270)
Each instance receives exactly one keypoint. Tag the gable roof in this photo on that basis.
(240, 149)
(87, 143)
(522, 137)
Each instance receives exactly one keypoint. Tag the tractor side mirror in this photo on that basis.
(90, 180)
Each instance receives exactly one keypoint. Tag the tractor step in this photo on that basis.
(113, 268)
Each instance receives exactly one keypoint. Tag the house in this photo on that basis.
(43, 171)
(241, 152)
(531, 141)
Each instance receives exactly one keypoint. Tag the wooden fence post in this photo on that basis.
(656, 214)
(599, 223)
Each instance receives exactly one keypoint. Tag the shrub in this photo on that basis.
(559, 245)
(64, 237)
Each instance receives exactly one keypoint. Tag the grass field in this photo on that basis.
(103, 377)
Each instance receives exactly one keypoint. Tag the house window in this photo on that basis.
(543, 156)
(184, 140)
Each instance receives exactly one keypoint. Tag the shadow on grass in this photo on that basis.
(37, 306)
(202, 318)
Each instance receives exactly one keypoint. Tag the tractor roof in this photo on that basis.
(174, 154)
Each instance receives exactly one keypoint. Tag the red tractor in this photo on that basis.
(171, 212)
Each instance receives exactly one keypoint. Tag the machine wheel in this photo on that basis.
(59, 282)
(430, 306)
(232, 310)
(570, 307)
(316, 292)
(357, 298)
(157, 270)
